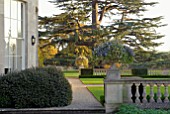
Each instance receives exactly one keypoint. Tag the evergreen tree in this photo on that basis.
(80, 23)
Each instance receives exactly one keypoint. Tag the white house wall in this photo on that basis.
(32, 23)
(2, 41)
(31, 55)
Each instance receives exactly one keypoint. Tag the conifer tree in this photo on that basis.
(81, 23)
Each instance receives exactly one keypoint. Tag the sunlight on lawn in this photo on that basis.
(97, 91)
(71, 74)
(92, 80)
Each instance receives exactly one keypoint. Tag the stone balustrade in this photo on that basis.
(99, 71)
(158, 71)
(102, 71)
(135, 90)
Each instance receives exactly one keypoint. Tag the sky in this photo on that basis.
(48, 9)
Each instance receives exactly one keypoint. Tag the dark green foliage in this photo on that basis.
(60, 62)
(92, 76)
(86, 72)
(130, 109)
(139, 72)
(156, 76)
(61, 59)
(71, 71)
(102, 100)
(35, 87)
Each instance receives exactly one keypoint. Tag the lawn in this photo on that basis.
(92, 80)
(71, 74)
(162, 88)
(97, 91)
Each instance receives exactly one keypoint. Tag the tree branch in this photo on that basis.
(106, 9)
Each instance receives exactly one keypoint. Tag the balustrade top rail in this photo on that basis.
(129, 81)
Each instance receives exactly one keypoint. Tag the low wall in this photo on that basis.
(133, 90)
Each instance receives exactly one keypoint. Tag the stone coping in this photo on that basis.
(52, 111)
(135, 80)
(49, 109)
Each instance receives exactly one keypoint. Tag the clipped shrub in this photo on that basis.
(139, 72)
(92, 76)
(156, 76)
(86, 71)
(35, 88)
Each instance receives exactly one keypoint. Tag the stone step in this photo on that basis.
(52, 111)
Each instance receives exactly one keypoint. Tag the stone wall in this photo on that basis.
(133, 90)
(31, 28)
(2, 41)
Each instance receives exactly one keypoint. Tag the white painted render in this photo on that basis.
(30, 29)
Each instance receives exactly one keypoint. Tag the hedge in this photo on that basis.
(35, 88)
(86, 71)
(139, 72)
(92, 76)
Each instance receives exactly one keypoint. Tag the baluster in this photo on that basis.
(140, 90)
(137, 93)
(149, 72)
(158, 93)
(94, 71)
(166, 93)
(127, 93)
(144, 93)
(133, 91)
(151, 93)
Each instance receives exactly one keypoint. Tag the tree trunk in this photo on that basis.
(94, 14)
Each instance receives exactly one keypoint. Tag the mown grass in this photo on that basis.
(97, 91)
(92, 80)
(162, 89)
(71, 74)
